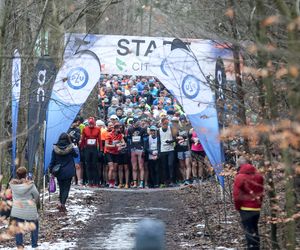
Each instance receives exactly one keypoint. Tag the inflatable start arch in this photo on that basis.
(187, 68)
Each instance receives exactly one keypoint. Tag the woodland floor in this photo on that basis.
(195, 217)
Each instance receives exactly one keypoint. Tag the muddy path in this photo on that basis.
(113, 225)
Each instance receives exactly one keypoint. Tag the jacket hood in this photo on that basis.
(247, 169)
(62, 149)
(21, 187)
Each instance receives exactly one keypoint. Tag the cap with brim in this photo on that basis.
(114, 117)
(100, 123)
(153, 128)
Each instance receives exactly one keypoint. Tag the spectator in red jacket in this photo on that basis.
(248, 195)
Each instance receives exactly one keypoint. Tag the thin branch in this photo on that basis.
(283, 8)
(40, 26)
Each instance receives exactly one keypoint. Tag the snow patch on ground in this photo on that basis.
(225, 248)
(227, 222)
(121, 235)
(155, 209)
(108, 214)
(80, 212)
(76, 213)
(127, 218)
(47, 245)
(186, 245)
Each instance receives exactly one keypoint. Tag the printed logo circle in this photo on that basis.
(190, 86)
(77, 78)
(220, 76)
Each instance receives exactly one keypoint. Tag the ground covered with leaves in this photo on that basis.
(59, 230)
(195, 217)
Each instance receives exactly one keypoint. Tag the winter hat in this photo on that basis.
(100, 123)
(114, 117)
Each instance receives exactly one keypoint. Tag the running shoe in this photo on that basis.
(64, 209)
(111, 185)
(162, 185)
(134, 184)
(126, 186)
(120, 186)
(141, 184)
(186, 182)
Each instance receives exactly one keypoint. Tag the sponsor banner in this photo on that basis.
(129, 55)
(16, 90)
(39, 95)
(188, 80)
(74, 82)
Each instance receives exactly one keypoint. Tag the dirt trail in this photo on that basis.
(113, 225)
(107, 218)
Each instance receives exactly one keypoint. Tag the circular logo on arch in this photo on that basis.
(190, 86)
(77, 78)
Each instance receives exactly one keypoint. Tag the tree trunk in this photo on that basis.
(25, 44)
(290, 13)
(290, 201)
(269, 112)
(5, 12)
(237, 70)
(3, 16)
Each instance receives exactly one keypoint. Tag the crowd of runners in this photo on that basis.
(141, 139)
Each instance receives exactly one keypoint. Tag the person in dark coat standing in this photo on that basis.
(63, 153)
(248, 189)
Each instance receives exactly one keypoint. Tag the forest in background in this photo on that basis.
(264, 33)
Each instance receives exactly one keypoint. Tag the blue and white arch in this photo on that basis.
(73, 84)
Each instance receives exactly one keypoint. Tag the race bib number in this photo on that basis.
(136, 138)
(91, 142)
(183, 143)
(115, 142)
(153, 146)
